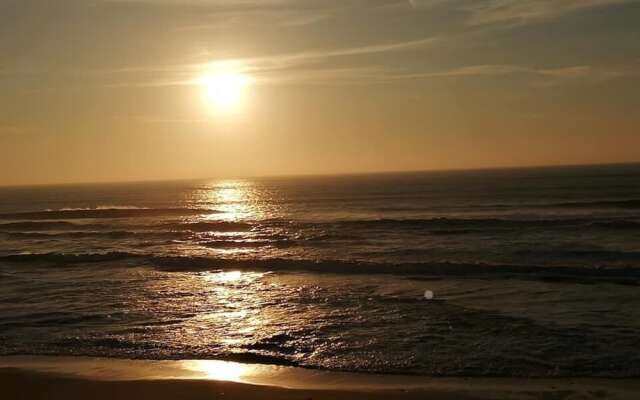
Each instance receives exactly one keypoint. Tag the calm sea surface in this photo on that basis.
(536, 272)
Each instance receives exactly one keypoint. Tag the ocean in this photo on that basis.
(535, 272)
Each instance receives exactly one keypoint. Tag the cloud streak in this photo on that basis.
(304, 57)
(515, 12)
(545, 76)
(537, 76)
(288, 67)
(527, 11)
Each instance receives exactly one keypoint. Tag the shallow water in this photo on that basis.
(534, 271)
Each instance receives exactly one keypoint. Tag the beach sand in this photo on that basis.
(20, 385)
(66, 378)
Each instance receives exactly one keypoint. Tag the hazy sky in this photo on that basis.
(107, 90)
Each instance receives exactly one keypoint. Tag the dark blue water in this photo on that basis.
(535, 271)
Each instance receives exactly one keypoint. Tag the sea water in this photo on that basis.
(533, 272)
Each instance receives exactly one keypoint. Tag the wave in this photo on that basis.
(444, 225)
(118, 234)
(118, 346)
(49, 318)
(104, 213)
(68, 258)
(58, 220)
(598, 204)
(210, 226)
(630, 203)
(433, 226)
(328, 230)
(448, 232)
(109, 207)
(235, 244)
(598, 255)
(623, 275)
(38, 226)
(617, 224)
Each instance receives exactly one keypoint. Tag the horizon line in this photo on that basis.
(312, 175)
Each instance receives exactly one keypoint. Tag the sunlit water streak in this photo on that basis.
(534, 272)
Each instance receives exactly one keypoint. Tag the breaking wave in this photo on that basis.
(625, 275)
(448, 226)
(97, 213)
(630, 203)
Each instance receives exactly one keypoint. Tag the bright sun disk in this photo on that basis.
(225, 90)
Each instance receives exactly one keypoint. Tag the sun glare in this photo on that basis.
(225, 90)
(219, 370)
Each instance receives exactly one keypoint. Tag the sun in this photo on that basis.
(225, 90)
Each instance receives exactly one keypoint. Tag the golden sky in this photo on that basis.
(110, 90)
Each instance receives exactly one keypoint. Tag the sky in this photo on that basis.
(120, 90)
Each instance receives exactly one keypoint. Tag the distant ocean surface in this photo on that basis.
(535, 272)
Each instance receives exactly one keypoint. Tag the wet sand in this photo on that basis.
(68, 378)
(30, 385)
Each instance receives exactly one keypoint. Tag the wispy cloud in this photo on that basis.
(525, 11)
(295, 73)
(480, 70)
(515, 12)
(545, 75)
(305, 66)
(314, 55)
(215, 14)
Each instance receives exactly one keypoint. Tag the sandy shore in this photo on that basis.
(91, 378)
(18, 384)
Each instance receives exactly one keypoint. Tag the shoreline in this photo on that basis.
(69, 378)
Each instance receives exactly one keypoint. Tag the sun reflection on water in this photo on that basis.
(235, 200)
(238, 302)
(219, 370)
(225, 276)
(247, 315)
(233, 228)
